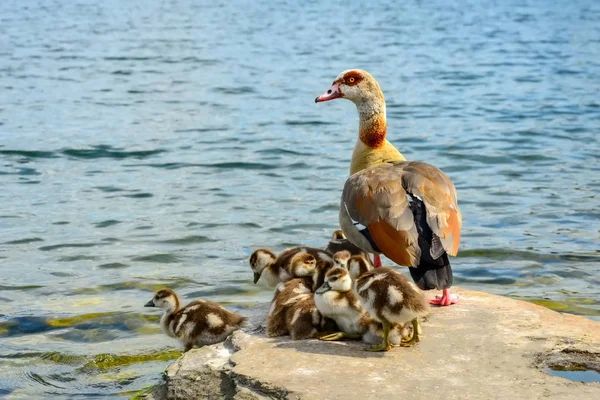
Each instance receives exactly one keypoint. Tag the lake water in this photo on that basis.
(150, 144)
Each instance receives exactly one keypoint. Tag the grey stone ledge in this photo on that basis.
(484, 347)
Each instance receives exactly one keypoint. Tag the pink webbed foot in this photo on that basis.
(445, 299)
(377, 260)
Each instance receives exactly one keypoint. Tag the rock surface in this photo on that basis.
(485, 347)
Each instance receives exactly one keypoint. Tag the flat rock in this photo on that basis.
(484, 347)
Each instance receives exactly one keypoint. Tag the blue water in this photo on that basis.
(576, 376)
(145, 144)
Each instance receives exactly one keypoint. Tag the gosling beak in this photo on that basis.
(332, 93)
(150, 304)
(256, 277)
(324, 288)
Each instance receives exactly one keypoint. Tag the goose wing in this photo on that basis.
(379, 198)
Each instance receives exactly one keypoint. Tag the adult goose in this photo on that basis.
(406, 210)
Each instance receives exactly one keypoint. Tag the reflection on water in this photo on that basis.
(147, 145)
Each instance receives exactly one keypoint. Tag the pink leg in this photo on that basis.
(377, 260)
(445, 299)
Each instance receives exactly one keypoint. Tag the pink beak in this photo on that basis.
(332, 93)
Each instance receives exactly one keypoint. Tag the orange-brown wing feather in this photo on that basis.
(377, 198)
(439, 196)
(394, 244)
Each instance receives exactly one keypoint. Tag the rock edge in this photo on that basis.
(485, 347)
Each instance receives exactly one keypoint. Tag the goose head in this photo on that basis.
(356, 85)
(165, 299)
(337, 279)
(259, 260)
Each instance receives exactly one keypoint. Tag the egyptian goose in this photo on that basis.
(389, 297)
(406, 210)
(199, 323)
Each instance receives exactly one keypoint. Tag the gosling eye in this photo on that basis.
(333, 279)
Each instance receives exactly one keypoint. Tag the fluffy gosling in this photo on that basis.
(198, 323)
(389, 297)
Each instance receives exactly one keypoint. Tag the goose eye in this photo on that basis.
(351, 80)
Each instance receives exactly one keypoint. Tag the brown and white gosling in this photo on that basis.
(275, 269)
(295, 262)
(335, 300)
(338, 234)
(389, 297)
(198, 323)
(293, 311)
(339, 244)
(340, 259)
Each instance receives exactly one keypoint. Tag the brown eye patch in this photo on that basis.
(161, 294)
(352, 78)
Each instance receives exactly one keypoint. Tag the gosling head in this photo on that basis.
(356, 85)
(303, 264)
(338, 234)
(358, 265)
(165, 299)
(259, 260)
(336, 279)
(340, 258)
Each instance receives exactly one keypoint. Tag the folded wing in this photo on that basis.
(379, 198)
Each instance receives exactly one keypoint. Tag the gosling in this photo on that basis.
(198, 323)
(389, 297)
(335, 300)
(339, 243)
(293, 311)
(295, 262)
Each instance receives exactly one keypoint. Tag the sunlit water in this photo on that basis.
(150, 144)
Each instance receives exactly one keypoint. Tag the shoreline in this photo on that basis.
(486, 346)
